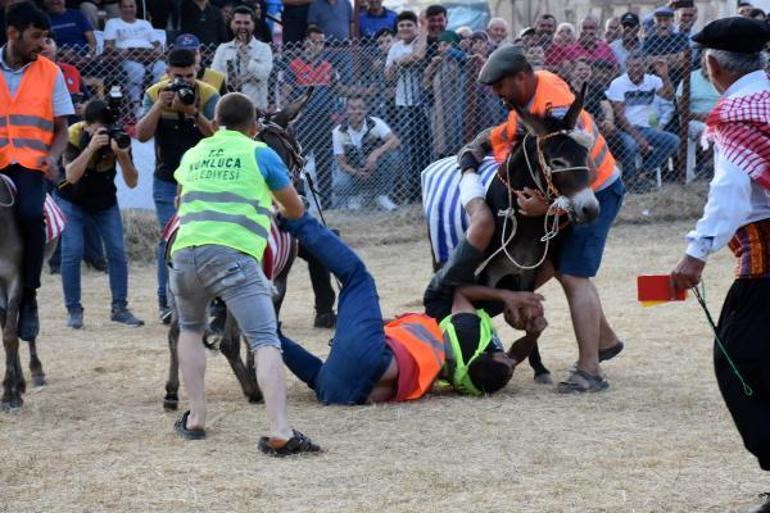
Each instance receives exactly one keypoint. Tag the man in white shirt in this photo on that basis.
(134, 41)
(738, 213)
(632, 96)
(364, 151)
(245, 61)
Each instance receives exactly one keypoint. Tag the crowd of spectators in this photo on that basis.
(406, 72)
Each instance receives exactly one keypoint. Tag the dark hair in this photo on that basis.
(547, 16)
(24, 15)
(756, 12)
(313, 29)
(382, 32)
(435, 10)
(406, 16)
(97, 111)
(181, 58)
(244, 9)
(235, 111)
(489, 375)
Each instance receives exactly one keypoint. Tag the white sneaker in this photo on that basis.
(354, 203)
(385, 203)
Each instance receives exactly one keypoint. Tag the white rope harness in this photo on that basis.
(11, 192)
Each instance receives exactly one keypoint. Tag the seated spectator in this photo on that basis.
(91, 8)
(135, 45)
(246, 61)
(498, 31)
(375, 18)
(545, 28)
(633, 102)
(562, 48)
(589, 45)
(664, 42)
(213, 78)
(72, 32)
(612, 29)
(685, 14)
(205, 21)
(629, 40)
(333, 17)
(364, 148)
(87, 193)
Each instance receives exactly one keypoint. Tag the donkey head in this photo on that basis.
(558, 152)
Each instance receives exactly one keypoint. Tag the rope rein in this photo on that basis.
(12, 201)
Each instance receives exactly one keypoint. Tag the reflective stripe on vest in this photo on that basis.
(225, 200)
(421, 337)
(27, 118)
(553, 93)
(458, 372)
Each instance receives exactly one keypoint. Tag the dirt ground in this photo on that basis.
(96, 439)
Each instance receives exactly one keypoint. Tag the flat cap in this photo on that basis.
(506, 60)
(734, 34)
(666, 12)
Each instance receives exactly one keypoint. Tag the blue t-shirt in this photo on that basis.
(69, 28)
(273, 170)
(334, 20)
(368, 24)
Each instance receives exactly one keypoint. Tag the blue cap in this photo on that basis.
(664, 11)
(187, 42)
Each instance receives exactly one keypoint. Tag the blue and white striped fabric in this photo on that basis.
(447, 220)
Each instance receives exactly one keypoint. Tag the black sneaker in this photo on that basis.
(124, 316)
(29, 323)
(325, 320)
(75, 320)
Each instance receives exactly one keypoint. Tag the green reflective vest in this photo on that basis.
(225, 199)
(458, 368)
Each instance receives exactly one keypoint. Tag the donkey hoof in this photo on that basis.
(38, 380)
(254, 399)
(544, 378)
(11, 404)
(170, 403)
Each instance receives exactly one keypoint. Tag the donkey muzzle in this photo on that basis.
(584, 206)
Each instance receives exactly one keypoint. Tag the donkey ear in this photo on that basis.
(287, 114)
(571, 117)
(532, 123)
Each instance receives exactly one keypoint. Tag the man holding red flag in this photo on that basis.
(737, 214)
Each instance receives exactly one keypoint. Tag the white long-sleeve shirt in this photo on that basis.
(734, 199)
(247, 72)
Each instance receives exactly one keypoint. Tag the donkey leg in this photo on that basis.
(542, 374)
(13, 383)
(171, 400)
(35, 366)
(231, 348)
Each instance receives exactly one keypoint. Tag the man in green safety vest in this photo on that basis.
(226, 186)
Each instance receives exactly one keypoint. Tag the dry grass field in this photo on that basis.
(96, 439)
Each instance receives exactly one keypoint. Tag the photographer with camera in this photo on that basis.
(88, 194)
(177, 112)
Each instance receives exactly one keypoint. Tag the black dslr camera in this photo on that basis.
(183, 90)
(98, 111)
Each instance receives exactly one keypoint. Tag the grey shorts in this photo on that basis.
(199, 274)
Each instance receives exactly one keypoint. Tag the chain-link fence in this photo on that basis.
(378, 117)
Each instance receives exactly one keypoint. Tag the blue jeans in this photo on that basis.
(381, 181)
(663, 143)
(93, 250)
(110, 226)
(163, 193)
(359, 356)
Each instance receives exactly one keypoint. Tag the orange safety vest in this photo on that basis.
(26, 119)
(553, 93)
(421, 336)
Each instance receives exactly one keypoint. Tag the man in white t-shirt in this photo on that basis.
(364, 148)
(135, 43)
(632, 96)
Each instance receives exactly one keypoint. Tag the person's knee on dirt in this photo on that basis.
(215, 256)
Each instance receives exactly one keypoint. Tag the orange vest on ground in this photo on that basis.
(553, 93)
(27, 119)
(421, 336)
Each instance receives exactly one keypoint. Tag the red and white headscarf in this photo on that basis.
(741, 129)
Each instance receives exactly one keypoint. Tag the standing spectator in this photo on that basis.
(134, 43)
(246, 61)
(72, 32)
(160, 10)
(176, 126)
(88, 194)
(262, 30)
(629, 41)
(375, 18)
(612, 29)
(545, 28)
(589, 45)
(563, 48)
(91, 8)
(213, 78)
(404, 65)
(294, 18)
(633, 101)
(664, 42)
(435, 23)
(498, 31)
(703, 97)
(311, 69)
(205, 21)
(364, 148)
(333, 17)
(381, 91)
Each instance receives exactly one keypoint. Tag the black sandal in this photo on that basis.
(180, 426)
(297, 444)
